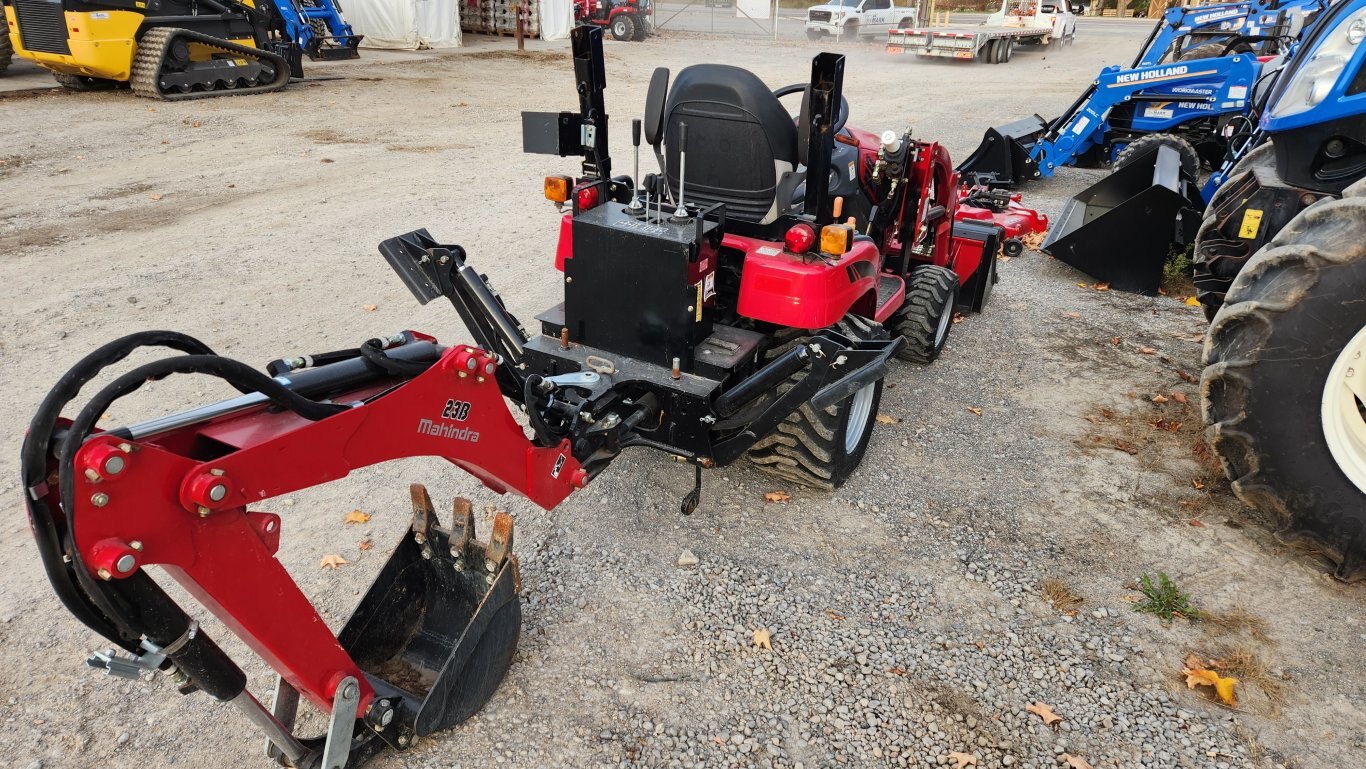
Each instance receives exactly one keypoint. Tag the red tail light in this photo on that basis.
(587, 197)
(800, 239)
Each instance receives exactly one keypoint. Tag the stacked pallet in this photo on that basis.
(498, 18)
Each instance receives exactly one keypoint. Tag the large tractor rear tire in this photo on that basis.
(1283, 391)
(6, 49)
(83, 83)
(1190, 159)
(1215, 269)
(820, 449)
(925, 318)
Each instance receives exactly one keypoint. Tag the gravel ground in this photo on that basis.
(905, 613)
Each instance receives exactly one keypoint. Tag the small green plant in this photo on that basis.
(1162, 597)
(1177, 273)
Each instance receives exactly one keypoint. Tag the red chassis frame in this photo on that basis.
(165, 507)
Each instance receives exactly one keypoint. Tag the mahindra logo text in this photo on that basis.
(428, 427)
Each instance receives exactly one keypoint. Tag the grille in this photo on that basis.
(820, 16)
(42, 26)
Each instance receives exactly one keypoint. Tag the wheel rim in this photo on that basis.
(859, 408)
(619, 28)
(1344, 410)
(945, 318)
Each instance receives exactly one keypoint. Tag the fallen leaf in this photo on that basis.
(1071, 315)
(331, 562)
(195, 124)
(1192, 302)
(1107, 413)
(961, 760)
(1161, 291)
(897, 670)
(1198, 484)
(154, 196)
(777, 496)
(365, 544)
(887, 419)
(356, 516)
(327, 160)
(1102, 286)
(1116, 341)
(836, 616)
(1147, 351)
(975, 410)
(1075, 762)
(1083, 285)
(1187, 377)
(1045, 712)
(1198, 675)
(369, 307)
(1162, 424)
(1197, 523)
(1159, 398)
(959, 317)
(1179, 397)
(762, 639)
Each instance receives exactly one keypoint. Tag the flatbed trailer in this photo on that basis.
(993, 45)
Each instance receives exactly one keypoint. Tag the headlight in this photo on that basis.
(1313, 81)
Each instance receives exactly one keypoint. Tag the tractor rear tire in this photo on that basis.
(1190, 159)
(623, 27)
(926, 316)
(642, 30)
(83, 83)
(1286, 417)
(821, 449)
(1214, 272)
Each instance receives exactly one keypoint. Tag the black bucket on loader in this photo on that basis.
(438, 628)
(1121, 229)
(1002, 159)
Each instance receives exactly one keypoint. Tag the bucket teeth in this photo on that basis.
(424, 515)
(462, 527)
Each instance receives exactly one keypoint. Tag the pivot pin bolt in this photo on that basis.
(217, 492)
(99, 499)
(126, 564)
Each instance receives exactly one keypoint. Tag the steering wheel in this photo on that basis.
(840, 119)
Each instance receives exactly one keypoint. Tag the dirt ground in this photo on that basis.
(252, 223)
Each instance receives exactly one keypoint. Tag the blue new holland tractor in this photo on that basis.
(1282, 262)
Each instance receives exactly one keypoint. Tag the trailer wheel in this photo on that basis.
(821, 449)
(623, 27)
(1009, 52)
(926, 316)
(1217, 260)
(1190, 159)
(1282, 391)
(84, 83)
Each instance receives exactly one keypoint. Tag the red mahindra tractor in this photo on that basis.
(723, 311)
(626, 19)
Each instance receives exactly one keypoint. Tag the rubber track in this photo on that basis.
(802, 449)
(1190, 159)
(150, 60)
(1214, 273)
(929, 292)
(1232, 349)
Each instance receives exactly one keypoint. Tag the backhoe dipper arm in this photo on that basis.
(178, 499)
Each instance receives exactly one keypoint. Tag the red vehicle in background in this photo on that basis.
(625, 19)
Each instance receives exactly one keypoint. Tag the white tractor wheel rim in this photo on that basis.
(945, 318)
(1344, 417)
(859, 409)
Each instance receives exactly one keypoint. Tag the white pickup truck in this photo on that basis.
(852, 18)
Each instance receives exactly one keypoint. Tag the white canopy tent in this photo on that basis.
(415, 24)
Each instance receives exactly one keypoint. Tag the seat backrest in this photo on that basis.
(741, 141)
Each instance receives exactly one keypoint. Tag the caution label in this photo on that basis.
(1252, 222)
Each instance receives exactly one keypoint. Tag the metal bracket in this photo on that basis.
(576, 379)
(132, 666)
(344, 702)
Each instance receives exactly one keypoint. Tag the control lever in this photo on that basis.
(651, 190)
(635, 177)
(682, 211)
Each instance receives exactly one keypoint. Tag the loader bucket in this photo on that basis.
(438, 628)
(1121, 229)
(1003, 159)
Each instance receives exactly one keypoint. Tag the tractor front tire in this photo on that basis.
(623, 27)
(1216, 267)
(820, 449)
(926, 316)
(1190, 159)
(6, 50)
(643, 30)
(1282, 389)
(815, 34)
(83, 83)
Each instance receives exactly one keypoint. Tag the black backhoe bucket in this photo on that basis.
(1002, 159)
(1121, 229)
(437, 630)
